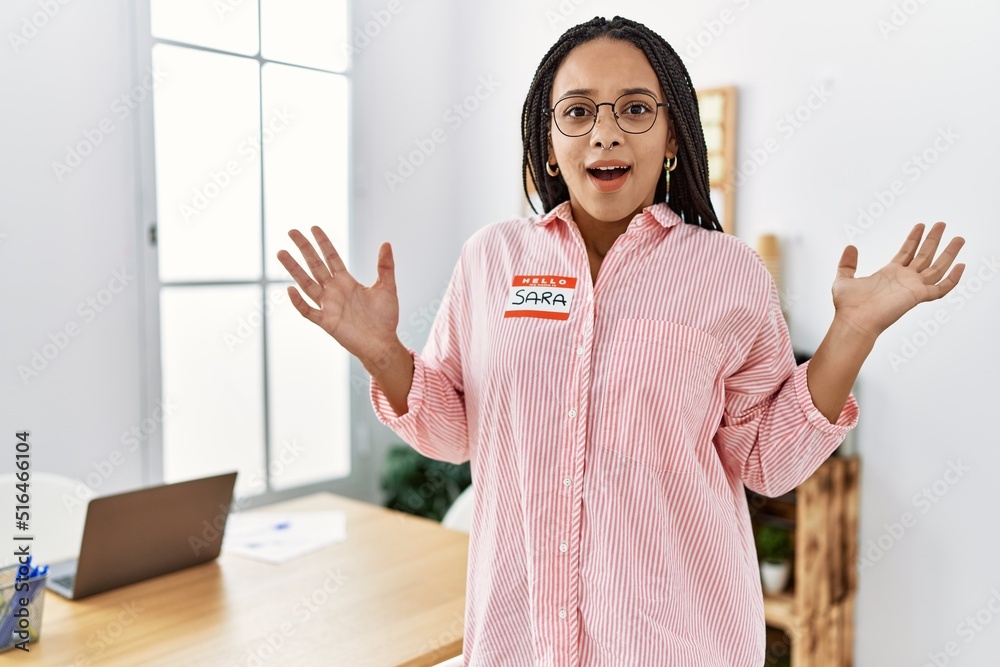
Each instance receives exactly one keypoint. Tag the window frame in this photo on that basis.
(357, 483)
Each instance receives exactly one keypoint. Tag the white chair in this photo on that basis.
(459, 515)
(57, 511)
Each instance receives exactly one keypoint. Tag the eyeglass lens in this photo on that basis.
(576, 115)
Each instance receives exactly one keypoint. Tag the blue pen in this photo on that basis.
(281, 526)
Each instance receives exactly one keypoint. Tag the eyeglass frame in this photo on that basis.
(597, 112)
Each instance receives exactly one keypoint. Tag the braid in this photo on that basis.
(689, 189)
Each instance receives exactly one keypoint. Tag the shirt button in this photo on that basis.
(618, 248)
(579, 351)
(562, 612)
(562, 547)
(590, 298)
(572, 412)
(567, 481)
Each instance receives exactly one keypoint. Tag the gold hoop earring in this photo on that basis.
(548, 168)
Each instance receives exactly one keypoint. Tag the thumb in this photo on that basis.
(386, 268)
(848, 262)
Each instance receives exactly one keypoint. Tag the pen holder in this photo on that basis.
(15, 617)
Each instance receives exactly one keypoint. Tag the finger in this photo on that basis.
(946, 285)
(316, 265)
(940, 266)
(300, 304)
(909, 247)
(848, 262)
(329, 252)
(929, 247)
(386, 268)
(301, 277)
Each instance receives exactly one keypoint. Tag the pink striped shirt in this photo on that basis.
(611, 428)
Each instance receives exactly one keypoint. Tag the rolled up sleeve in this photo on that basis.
(435, 422)
(772, 434)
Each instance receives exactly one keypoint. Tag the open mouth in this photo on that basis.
(608, 173)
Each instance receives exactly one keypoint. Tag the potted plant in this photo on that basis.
(774, 551)
(419, 485)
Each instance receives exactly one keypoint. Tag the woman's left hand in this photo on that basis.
(872, 303)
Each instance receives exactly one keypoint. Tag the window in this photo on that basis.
(250, 138)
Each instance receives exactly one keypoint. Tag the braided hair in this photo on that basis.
(689, 189)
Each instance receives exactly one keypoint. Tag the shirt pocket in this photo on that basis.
(658, 389)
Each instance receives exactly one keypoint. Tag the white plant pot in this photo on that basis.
(774, 576)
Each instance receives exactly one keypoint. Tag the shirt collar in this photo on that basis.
(659, 213)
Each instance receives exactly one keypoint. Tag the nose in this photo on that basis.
(606, 132)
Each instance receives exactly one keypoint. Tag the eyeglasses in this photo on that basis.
(576, 115)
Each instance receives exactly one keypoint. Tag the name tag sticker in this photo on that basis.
(546, 297)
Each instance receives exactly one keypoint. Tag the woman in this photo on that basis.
(616, 370)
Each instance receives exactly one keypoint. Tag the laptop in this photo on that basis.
(137, 535)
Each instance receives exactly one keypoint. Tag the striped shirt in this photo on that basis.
(610, 429)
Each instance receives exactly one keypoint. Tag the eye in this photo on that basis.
(578, 111)
(636, 108)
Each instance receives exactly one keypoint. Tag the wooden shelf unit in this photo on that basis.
(817, 609)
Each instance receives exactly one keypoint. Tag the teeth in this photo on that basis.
(609, 168)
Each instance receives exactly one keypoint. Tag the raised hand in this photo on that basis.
(362, 319)
(870, 304)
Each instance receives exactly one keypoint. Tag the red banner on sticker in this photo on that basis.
(545, 297)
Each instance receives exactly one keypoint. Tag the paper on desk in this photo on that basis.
(276, 537)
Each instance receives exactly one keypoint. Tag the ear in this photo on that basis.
(671, 139)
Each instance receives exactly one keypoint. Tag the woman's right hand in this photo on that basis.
(362, 319)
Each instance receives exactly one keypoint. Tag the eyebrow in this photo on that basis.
(623, 91)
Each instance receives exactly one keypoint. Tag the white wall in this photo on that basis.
(65, 239)
(889, 97)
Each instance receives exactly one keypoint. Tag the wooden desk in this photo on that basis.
(392, 594)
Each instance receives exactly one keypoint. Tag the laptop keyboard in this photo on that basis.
(65, 581)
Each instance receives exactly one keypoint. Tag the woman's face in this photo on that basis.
(605, 68)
